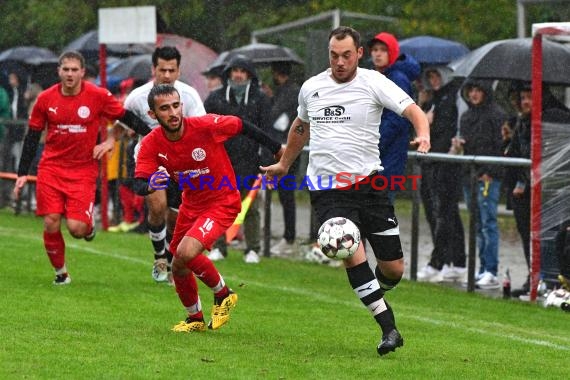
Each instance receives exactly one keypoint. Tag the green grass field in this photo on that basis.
(293, 321)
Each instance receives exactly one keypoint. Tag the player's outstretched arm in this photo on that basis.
(252, 131)
(296, 140)
(135, 123)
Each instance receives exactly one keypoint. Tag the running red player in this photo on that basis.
(191, 152)
(71, 111)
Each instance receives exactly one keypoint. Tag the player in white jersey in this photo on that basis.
(163, 204)
(339, 113)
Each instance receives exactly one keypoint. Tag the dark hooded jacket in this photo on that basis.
(445, 113)
(284, 102)
(481, 127)
(254, 107)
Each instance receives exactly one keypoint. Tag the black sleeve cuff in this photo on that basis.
(135, 123)
(29, 150)
(140, 186)
(252, 131)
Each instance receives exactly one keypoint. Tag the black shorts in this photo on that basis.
(371, 211)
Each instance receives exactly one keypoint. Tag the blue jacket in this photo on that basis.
(394, 129)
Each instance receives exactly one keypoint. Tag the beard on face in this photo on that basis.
(167, 126)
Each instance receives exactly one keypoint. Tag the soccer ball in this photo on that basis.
(338, 238)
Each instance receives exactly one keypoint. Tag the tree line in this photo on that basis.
(225, 24)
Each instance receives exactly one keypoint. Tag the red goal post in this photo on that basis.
(538, 32)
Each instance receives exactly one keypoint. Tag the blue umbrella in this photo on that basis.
(432, 50)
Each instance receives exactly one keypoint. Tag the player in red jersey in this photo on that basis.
(72, 111)
(191, 152)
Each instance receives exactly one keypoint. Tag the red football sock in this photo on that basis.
(187, 290)
(127, 198)
(205, 270)
(138, 202)
(55, 248)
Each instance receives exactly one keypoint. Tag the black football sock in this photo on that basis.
(367, 288)
(167, 252)
(157, 237)
(385, 282)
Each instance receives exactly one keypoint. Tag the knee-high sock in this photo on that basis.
(127, 196)
(205, 270)
(385, 282)
(367, 289)
(187, 290)
(157, 236)
(138, 203)
(55, 249)
(167, 249)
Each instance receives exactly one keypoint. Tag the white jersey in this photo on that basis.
(137, 101)
(344, 123)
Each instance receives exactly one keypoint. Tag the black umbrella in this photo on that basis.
(261, 53)
(30, 55)
(88, 45)
(218, 65)
(31, 63)
(511, 60)
(432, 50)
(138, 67)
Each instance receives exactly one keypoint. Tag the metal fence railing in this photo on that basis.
(415, 158)
(472, 162)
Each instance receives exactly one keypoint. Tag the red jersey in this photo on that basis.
(72, 125)
(198, 162)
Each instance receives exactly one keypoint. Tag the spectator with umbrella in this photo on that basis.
(31, 64)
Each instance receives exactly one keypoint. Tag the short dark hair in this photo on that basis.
(159, 90)
(342, 32)
(71, 54)
(167, 53)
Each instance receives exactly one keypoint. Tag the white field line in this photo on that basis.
(482, 331)
(11, 232)
(412, 314)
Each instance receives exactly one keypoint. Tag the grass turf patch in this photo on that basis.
(293, 320)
